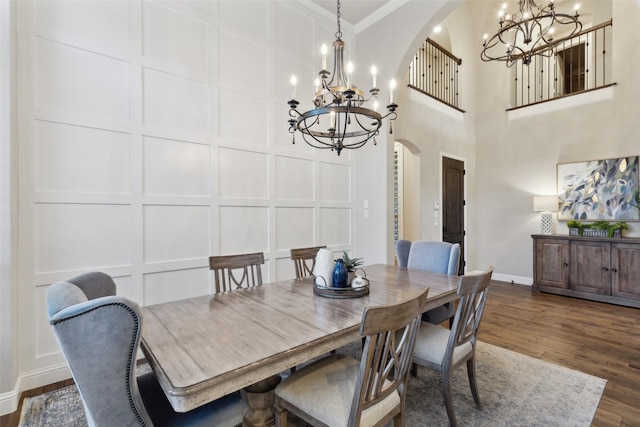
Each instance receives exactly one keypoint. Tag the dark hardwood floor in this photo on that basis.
(595, 338)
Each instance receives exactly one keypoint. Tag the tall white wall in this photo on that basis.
(153, 135)
(9, 334)
(507, 161)
(390, 43)
(430, 132)
(517, 159)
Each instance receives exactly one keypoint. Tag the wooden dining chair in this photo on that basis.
(445, 350)
(236, 271)
(341, 391)
(304, 260)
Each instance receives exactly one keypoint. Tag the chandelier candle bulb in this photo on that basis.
(374, 71)
(349, 73)
(294, 82)
(392, 86)
(323, 51)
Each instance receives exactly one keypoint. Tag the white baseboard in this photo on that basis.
(9, 400)
(512, 279)
(29, 380)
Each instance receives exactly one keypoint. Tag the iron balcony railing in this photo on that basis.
(576, 65)
(434, 72)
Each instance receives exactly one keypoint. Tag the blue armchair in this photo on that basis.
(99, 334)
(435, 257)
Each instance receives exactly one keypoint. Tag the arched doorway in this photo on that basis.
(406, 177)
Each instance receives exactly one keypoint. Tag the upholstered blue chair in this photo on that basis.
(99, 334)
(435, 257)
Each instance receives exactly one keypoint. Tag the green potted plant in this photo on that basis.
(352, 264)
(622, 225)
(575, 227)
(605, 228)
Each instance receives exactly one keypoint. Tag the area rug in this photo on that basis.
(515, 390)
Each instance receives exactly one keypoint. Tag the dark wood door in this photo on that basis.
(453, 205)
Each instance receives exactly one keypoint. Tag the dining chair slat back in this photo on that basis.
(236, 271)
(371, 391)
(304, 260)
(444, 350)
(390, 338)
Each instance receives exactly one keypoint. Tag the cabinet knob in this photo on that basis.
(605, 269)
(614, 270)
(566, 264)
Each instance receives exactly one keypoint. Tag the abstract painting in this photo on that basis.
(599, 190)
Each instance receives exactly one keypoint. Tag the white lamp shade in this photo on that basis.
(545, 203)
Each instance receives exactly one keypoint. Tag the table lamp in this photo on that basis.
(546, 205)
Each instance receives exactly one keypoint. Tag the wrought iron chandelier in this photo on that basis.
(339, 119)
(529, 32)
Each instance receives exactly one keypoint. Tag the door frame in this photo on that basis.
(444, 154)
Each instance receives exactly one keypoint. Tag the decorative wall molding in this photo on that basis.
(148, 143)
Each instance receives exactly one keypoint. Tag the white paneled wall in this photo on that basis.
(175, 167)
(154, 134)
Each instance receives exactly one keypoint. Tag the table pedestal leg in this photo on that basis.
(259, 398)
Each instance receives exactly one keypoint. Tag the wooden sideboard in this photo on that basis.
(594, 268)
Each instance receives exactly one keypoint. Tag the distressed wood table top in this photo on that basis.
(206, 347)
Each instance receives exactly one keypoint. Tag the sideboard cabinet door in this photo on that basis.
(625, 269)
(551, 263)
(590, 267)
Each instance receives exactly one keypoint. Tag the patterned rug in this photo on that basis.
(515, 390)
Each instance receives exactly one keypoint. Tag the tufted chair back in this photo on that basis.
(99, 334)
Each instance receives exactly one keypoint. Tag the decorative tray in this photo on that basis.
(340, 293)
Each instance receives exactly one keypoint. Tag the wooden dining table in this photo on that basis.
(206, 347)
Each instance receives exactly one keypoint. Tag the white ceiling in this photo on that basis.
(352, 11)
(360, 14)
